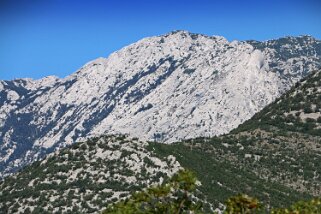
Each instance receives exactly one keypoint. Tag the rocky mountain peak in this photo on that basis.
(165, 88)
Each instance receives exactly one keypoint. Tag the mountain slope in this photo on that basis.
(165, 88)
(262, 157)
(297, 111)
(85, 177)
(280, 145)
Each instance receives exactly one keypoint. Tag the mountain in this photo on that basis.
(265, 157)
(274, 156)
(298, 111)
(164, 88)
(85, 177)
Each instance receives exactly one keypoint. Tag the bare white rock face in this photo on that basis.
(164, 88)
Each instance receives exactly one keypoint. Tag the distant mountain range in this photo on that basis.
(165, 88)
(274, 156)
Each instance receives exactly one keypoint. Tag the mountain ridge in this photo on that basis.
(164, 88)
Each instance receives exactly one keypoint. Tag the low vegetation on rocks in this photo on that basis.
(85, 177)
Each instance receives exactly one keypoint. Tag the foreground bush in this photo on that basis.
(301, 207)
(243, 204)
(176, 196)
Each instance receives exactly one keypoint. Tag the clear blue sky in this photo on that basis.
(56, 37)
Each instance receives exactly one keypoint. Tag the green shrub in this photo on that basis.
(173, 197)
(243, 204)
(305, 207)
